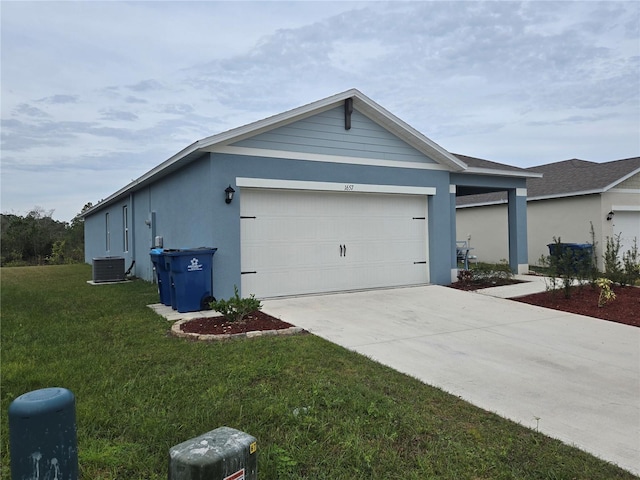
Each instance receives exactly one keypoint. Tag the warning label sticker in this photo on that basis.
(239, 475)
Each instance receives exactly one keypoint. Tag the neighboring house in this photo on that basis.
(336, 195)
(571, 196)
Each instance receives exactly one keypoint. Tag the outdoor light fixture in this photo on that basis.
(610, 215)
(228, 194)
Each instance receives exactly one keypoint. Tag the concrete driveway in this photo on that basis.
(571, 377)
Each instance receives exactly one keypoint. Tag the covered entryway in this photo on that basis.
(299, 241)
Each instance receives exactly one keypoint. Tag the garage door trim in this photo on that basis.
(332, 186)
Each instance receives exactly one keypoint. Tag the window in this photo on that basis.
(107, 232)
(125, 229)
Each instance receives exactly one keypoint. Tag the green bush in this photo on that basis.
(625, 272)
(631, 265)
(492, 272)
(566, 265)
(236, 308)
(613, 269)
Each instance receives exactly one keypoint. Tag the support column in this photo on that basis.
(517, 217)
(452, 246)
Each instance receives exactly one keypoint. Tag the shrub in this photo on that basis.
(631, 264)
(236, 308)
(568, 264)
(493, 272)
(606, 294)
(465, 277)
(612, 266)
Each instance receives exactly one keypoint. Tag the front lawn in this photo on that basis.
(317, 410)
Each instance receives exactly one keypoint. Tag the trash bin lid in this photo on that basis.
(38, 401)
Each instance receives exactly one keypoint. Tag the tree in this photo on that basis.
(37, 238)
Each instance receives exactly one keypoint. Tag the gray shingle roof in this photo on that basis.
(474, 162)
(566, 178)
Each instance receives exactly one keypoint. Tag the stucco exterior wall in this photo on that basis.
(569, 219)
(566, 218)
(486, 231)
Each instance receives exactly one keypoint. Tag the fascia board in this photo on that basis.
(567, 195)
(482, 204)
(503, 173)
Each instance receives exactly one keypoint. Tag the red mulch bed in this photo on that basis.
(584, 301)
(256, 321)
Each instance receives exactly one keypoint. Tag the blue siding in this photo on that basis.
(95, 234)
(324, 133)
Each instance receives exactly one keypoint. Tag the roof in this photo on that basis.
(361, 102)
(479, 165)
(565, 179)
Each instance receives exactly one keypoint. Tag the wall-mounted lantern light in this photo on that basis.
(228, 194)
(610, 216)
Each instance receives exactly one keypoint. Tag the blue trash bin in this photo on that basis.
(163, 275)
(42, 435)
(581, 255)
(191, 278)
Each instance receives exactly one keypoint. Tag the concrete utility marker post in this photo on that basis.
(42, 435)
(221, 454)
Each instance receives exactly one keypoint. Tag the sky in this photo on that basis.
(96, 93)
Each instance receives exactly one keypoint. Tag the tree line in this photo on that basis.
(37, 239)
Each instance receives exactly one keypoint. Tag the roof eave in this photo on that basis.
(504, 173)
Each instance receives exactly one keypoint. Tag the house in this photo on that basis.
(571, 196)
(336, 195)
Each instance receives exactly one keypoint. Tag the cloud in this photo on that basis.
(146, 86)
(60, 99)
(176, 108)
(112, 114)
(132, 99)
(30, 111)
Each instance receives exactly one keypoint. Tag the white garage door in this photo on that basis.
(627, 225)
(296, 242)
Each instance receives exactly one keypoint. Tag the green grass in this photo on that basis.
(317, 410)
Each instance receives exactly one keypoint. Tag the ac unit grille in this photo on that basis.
(108, 269)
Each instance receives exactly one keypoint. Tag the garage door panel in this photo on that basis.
(294, 242)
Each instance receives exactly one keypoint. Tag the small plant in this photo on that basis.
(631, 264)
(606, 294)
(465, 277)
(570, 264)
(236, 308)
(496, 273)
(612, 265)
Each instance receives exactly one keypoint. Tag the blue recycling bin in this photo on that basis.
(42, 435)
(191, 274)
(163, 275)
